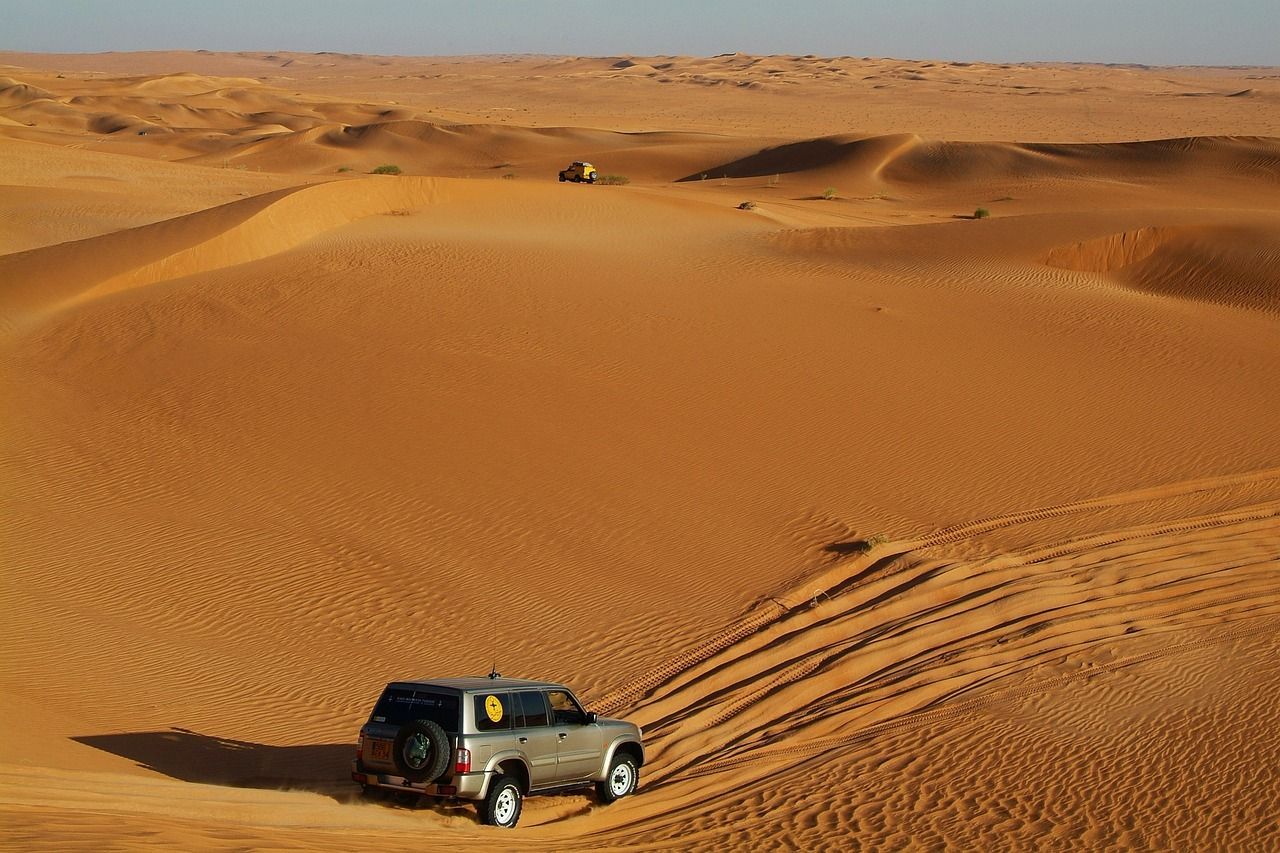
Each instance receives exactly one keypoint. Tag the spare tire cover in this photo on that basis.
(421, 751)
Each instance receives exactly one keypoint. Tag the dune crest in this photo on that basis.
(1232, 266)
(185, 84)
(1113, 252)
(911, 160)
(224, 236)
(16, 92)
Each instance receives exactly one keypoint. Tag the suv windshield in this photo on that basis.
(400, 705)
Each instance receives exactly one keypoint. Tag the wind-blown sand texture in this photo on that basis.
(893, 527)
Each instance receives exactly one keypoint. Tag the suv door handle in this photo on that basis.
(563, 735)
(524, 740)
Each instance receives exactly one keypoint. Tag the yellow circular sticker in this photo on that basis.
(493, 707)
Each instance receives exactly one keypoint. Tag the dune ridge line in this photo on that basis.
(56, 277)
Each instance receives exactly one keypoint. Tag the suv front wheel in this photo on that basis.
(621, 781)
(501, 806)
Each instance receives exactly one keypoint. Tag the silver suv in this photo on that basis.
(493, 740)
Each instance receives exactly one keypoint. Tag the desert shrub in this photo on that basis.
(344, 168)
(386, 169)
(747, 205)
(613, 180)
(981, 213)
(829, 193)
(862, 546)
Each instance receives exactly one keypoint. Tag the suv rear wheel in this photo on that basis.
(501, 806)
(421, 751)
(621, 780)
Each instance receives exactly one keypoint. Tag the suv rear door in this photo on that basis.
(536, 737)
(401, 704)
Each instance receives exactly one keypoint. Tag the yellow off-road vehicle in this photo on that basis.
(579, 172)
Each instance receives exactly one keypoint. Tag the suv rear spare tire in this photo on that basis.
(421, 751)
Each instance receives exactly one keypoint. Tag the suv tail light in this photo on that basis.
(462, 760)
(360, 748)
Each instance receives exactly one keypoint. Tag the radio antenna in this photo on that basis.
(493, 673)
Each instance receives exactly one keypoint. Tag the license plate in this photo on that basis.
(380, 749)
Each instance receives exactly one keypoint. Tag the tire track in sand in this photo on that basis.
(902, 636)
(835, 579)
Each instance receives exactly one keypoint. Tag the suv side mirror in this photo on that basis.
(592, 716)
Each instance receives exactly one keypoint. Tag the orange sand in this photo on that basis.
(893, 527)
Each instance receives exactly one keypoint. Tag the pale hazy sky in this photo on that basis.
(1157, 32)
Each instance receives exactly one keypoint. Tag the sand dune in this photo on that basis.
(185, 84)
(748, 704)
(217, 121)
(908, 159)
(232, 234)
(1236, 266)
(894, 526)
(16, 92)
(54, 193)
(1235, 269)
(470, 150)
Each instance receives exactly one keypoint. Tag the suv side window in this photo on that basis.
(566, 709)
(534, 708)
(493, 711)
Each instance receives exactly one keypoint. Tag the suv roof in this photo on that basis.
(478, 683)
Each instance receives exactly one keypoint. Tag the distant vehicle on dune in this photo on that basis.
(578, 172)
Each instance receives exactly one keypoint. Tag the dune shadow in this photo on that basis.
(192, 757)
(852, 546)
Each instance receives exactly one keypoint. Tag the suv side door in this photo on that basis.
(535, 736)
(581, 743)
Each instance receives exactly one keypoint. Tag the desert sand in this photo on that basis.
(894, 525)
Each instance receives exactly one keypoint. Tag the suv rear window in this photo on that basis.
(493, 711)
(399, 705)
